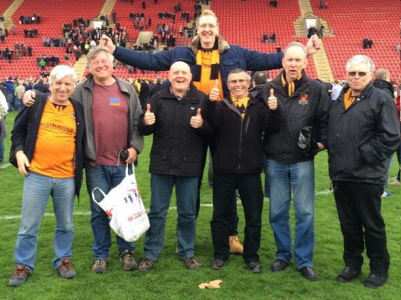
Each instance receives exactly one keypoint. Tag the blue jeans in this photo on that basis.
(37, 189)
(281, 180)
(105, 178)
(186, 189)
(17, 104)
(10, 101)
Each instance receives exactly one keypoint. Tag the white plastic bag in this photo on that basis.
(124, 206)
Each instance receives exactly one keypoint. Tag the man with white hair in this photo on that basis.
(112, 113)
(175, 118)
(363, 133)
(49, 168)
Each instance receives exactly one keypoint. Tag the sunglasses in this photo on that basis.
(360, 74)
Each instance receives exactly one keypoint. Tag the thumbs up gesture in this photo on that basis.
(272, 100)
(215, 92)
(149, 118)
(197, 120)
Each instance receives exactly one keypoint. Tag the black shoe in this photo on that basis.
(348, 274)
(308, 273)
(279, 265)
(217, 264)
(375, 281)
(255, 267)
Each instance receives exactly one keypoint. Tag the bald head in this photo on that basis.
(382, 74)
(180, 65)
(180, 77)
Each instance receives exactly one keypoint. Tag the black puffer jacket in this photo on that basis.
(178, 148)
(362, 137)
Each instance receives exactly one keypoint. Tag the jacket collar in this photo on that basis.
(192, 93)
(89, 82)
(276, 82)
(222, 44)
(366, 91)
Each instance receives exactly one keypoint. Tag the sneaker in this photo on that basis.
(66, 270)
(99, 266)
(255, 267)
(127, 258)
(20, 275)
(395, 182)
(375, 281)
(235, 245)
(387, 194)
(146, 264)
(348, 274)
(192, 262)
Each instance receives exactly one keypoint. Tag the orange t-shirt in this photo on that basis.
(55, 144)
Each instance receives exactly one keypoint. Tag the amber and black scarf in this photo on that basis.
(291, 87)
(214, 74)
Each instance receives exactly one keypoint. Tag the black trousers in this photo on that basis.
(249, 187)
(359, 211)
(233, 218)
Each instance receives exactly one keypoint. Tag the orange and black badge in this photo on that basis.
(303, 100)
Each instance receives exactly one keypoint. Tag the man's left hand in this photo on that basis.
(313, 45)
(132, 155)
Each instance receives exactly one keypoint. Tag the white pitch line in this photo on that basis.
(87, 213)
(5, 166)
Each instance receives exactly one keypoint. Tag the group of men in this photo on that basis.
(207, 103)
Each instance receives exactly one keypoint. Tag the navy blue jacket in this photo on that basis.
(26, 128)
(231, 57)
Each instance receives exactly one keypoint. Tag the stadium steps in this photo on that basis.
(107, 7)
(322, 65)
(8, 22)
(320, 58)
(80, 66)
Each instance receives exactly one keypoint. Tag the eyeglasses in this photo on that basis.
(238, 81)
(211, 26)
(360, 74)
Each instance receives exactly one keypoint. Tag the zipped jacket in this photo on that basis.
(231, 57)
(83, 94)
(363, 137)
(237, 142)
(307, 106)
(178, 148)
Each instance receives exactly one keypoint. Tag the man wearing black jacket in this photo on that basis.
(174, 117)
(238, 122)
(363, 133)
(289, 169)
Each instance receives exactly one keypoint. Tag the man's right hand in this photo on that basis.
(23, 162)
(149, 118)
(107, 43)
(29, 98)
(215, 92)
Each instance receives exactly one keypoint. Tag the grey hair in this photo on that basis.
(61, 71)
(296, 44)
(93, 53)
(237, 71)
(358, 59)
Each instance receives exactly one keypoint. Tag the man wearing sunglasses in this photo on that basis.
(363, 133)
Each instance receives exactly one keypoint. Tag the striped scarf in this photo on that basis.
(291, 87)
